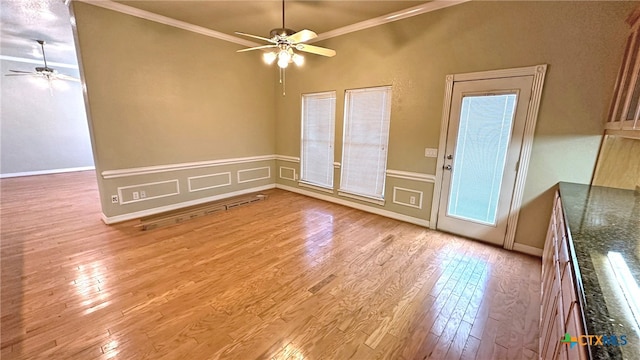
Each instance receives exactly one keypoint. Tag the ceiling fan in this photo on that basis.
(44, 71)
(285, 41)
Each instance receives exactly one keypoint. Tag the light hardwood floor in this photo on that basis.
(287, 278)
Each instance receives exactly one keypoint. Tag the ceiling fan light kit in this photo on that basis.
(284, 41)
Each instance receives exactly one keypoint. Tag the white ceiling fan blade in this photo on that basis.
(21, 72)
(66, 77)
(302, 36)
(316, 50)
(255, 37)
(258, 48)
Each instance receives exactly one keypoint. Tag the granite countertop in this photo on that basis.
(604, 229)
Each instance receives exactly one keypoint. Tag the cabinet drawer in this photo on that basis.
(563, 249)
(575, 328)
(552, 348)
(568, 290)
(549, 340)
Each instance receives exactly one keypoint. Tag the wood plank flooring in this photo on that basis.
(287, 278)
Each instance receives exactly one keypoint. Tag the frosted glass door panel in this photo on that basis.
(480, 156)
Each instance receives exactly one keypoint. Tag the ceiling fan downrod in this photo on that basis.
(44, 57)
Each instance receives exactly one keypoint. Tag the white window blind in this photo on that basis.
(318, 125)
(366, 136)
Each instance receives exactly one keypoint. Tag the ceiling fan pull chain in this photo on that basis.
(284, 82)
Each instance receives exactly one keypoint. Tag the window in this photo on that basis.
(366, 135)
(318, 125)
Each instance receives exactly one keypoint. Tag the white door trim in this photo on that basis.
(538, 72)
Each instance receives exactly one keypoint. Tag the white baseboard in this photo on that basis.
(386, 213)
(46, 172)
(138, 214)
(526, 249)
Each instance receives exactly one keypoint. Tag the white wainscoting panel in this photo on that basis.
(146, 187)
(259, 172)
(194, 181)
(408, 204)
(148, 212)
(289, 170)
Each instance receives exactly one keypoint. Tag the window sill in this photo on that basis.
(361, 198)
(315, 187)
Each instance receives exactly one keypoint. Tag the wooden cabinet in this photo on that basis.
(625, 108)
(559, 309)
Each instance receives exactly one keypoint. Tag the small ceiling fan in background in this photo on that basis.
(285, 41)
(45, 71)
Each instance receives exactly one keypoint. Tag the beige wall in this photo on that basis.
(159, 95)
(581, 41)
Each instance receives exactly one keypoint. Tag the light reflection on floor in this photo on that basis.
(90, 287)
(318, 238)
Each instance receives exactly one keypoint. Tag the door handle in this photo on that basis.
(449, 156)
(447, 167)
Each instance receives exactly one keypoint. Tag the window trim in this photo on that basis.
(303, 182)
(348, 193)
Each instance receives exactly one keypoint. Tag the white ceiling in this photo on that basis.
(24, 21)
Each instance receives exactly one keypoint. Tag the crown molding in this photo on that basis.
(384, 19)
(147, 15)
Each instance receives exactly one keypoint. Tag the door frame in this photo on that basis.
(538, 72)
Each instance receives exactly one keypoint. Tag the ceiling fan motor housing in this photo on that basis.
(45, 69)
(281, 32)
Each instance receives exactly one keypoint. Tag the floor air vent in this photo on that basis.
(180, 215)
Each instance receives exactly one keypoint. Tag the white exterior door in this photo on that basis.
(483, 144)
